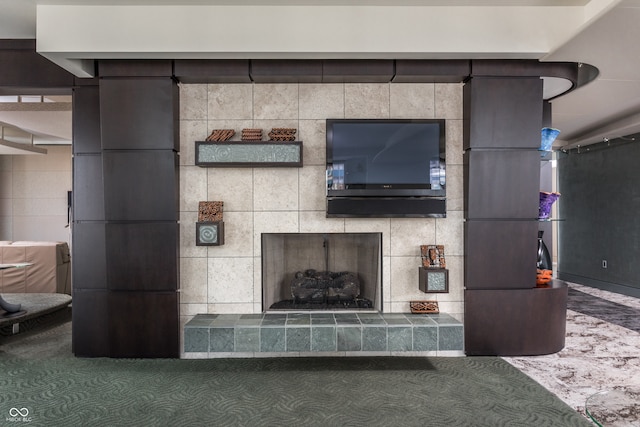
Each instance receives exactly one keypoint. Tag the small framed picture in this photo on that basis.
(209, 233)
(434, 280)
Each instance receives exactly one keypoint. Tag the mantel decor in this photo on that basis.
(282, 134)
(422, 307)
(209, 233)
(221, 135)
(433, 256)
(547, 200)
(210, 211)
(249, 154)
(210, 227)
(548, 135)
(433, 280)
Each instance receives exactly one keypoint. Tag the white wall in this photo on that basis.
(226, 279)
(33, 195)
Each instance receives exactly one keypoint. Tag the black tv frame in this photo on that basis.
(386, 201)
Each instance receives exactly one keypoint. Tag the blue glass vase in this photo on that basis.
(548, 136)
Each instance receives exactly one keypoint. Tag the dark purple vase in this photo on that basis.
(546, 201)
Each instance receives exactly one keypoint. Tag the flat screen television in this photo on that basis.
(386, 158)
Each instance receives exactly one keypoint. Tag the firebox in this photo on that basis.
(322, 271)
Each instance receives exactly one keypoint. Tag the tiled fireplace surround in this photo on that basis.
(224, 282)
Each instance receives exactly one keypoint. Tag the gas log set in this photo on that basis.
(313, 289)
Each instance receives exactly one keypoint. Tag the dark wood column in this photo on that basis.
(126, 230)
(505, 314)
(90, 336)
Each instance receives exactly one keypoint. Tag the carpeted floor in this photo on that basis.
(39, 375)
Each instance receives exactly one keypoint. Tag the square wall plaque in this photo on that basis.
(434, 280)
(209, 233)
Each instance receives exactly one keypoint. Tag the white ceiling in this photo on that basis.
(609, 107)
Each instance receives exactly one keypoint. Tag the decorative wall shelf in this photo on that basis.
(248, 154)
(433, 280)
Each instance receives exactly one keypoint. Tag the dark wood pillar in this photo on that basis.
(90, 336)
(505, 314)
(126, 233)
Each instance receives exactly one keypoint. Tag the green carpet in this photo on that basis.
(279, 392)
(60, 390)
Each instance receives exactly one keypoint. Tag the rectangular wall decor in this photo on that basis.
(209, 233)
(434, 280)
(249, 154)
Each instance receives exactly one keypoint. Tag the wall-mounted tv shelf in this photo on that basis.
(386, 207)
(248, 154)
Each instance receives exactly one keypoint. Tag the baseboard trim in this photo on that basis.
(594, 283)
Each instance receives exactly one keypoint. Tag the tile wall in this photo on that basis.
(226, 279)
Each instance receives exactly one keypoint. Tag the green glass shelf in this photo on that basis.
(248, 154)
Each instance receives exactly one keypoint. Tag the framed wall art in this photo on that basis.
(209, 233)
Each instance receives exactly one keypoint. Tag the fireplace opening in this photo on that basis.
(321, 271)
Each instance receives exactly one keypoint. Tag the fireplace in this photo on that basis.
(322, 271)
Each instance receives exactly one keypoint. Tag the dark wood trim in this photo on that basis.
(31, 73)
(286, 70)
(357, 70)
(431, 71)
(77, 81)
(18, 44)
(212, 70)
(135, 68)
(25, 72)
(522, 68)
(578, 74)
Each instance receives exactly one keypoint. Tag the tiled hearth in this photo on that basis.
(322, 334)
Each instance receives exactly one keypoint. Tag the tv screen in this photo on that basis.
(387, 157)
